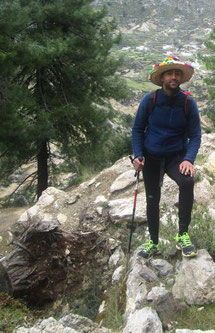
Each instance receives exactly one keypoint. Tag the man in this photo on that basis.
(168, 139)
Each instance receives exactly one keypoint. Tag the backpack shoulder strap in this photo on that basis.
(187, 103)
(151, 102)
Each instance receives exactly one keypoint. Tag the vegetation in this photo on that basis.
(57, 76)
(14, 312)
(197, 318)
(209, 62)
(201, 231)
(114, 307)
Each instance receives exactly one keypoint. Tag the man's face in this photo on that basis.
(172, 79)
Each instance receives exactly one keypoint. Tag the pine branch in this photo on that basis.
(16, 189)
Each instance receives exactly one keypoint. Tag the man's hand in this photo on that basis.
(138, 164)
(187, 168)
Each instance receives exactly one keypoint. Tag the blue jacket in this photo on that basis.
(165, 131)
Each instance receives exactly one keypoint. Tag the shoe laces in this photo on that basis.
(184, 239)
(148, 245)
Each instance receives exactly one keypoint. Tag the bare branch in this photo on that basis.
(32, 174)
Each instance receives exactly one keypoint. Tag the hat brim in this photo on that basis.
(157, 74)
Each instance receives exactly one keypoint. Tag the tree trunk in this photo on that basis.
(42, 168)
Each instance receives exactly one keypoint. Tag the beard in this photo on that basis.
(172, 86)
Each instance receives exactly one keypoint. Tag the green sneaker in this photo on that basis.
(184, 243)
(149, 249)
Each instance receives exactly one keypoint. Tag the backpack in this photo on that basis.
(186, 104)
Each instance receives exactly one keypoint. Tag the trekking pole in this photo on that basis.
(137, 174)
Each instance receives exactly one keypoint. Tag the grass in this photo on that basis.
(114, 307)
(194, 318)
(210, 177)
(202, 230)
(198, 177)
(145, 86)
(201, 159)
(14, 313)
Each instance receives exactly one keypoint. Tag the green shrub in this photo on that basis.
(202, 229)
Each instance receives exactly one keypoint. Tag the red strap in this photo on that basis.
(187, 93)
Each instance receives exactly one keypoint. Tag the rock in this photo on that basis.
(82, 324)
(144, 320)
(49, 325)
(68, 324)
(118, 273)
(99, 211)
(210, 165)
(193, 331)
(195, 280)
(123, 181)
(136, 287)
(113, 243)
(117, 258)
(100, 199)
(61, 218)
(148, 274)
(157, 293)
(204, 192)
(73, 199)
(91, 182)
(162, 266)
(49, 205)
(122, 209)
(164, 303)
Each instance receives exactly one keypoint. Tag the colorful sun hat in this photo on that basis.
(170, 63)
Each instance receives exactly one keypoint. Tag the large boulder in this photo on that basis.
(193, 331)
(136, 291)
(195, 280)
(204, 192)
(210, 165)
(144, 320)
(123, 181)
(122, 209)
(49, 207)
(69, 324)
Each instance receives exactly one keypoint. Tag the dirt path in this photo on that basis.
(8, 216)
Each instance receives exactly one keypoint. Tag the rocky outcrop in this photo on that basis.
(143, 321)
(155, 289)
(193, 331)
(70, 323)
(195, 280)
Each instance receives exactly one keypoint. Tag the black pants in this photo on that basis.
(153, 172)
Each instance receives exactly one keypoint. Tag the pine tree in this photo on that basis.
(57, 76)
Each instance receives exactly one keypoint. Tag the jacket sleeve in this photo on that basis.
(140, 124)
(194, 132)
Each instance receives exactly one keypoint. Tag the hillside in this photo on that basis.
(154, 29)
